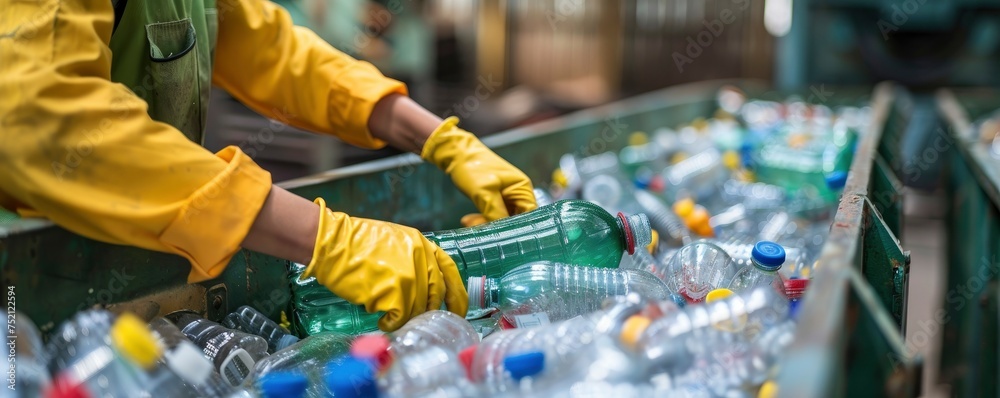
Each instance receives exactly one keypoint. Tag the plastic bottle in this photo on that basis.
(559, 291)
(569, 231)
(697, 268)
(308, 356)
(81, 353)
(249, 320)
(31, 376)
(318, 310)
(434, 329)
(766, 259)
(233, 353)
(674, 343)
(753, 196)
(349, 377)
(698, 175)
(187, 361)
(431, 371)
(614, 194)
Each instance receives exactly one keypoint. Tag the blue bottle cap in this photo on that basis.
(793, 309)
(836, 180)
(768, 255)
(349, 377)
(283, 385)
(642, 181)
(524, 365)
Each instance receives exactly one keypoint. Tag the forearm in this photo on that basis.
(401, 122)
(285, 227)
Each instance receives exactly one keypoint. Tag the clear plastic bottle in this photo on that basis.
(307, 356)
(432, 371)
(674, 343)
(187, 361)
(741, 253)
(248, 320)
(569, 231)
(753, 195)
(233, 353)
(31, 375)
(434, 329)
(614, 194)
(81, 353)
(697, 268)
(766, 259)
(560, 291)
(697, 176)
(350, 377)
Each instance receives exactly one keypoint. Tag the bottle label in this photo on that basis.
(237, 366)
(531, 320)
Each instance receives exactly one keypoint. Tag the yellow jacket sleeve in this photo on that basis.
(289, 74)
(83, 152)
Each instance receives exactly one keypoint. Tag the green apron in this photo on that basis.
(163, 51)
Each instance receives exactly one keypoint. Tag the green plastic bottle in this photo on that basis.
(568, 231)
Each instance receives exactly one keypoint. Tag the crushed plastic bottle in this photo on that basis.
(433, 371)
(556, 291)
(697, 268)
(187, 361)
(81, 353)
(248, 320)
(569, 231)
(434, 329)
(233, 353)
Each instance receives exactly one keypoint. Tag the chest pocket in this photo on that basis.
(162, 50)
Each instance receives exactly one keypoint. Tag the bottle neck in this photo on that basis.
(764, 268)
(625, 234)
(491, 292)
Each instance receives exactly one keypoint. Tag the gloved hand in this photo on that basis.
(385, 267)
(497, 188)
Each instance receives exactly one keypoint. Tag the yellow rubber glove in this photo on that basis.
(497, 188)
(385, 267)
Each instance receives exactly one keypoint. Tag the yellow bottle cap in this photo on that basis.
(798, 140)
(768, 390)
(731, 159)
(559, 178)
(632, 329)
(651, 247)
(697, 219)
(745, 176)
(678, 157)
(134, 341)
(718, 294)
(683, 207)
(637, 138)
(699, 124)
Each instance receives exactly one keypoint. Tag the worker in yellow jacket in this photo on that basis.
(102, 107)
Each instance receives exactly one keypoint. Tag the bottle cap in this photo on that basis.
(187, 362)
(704, 229)
(559, 178)
(836, 180)
(684, 207)
(632, 329)
(768, 390)
(373, 348)
(767, 255)
(796, 287)
(476, 286)
(642, 181)
(283, 385)
(731, 159)
(637, 138)
(654, 243)
(793, 309)
(65, 387)
(133, 339)
(350, 377)
(524, 365)
(656, 184)
(285, 341)
(678, 157)
(718, 294)
(466, 356)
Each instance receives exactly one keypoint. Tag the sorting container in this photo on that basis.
(850, 341)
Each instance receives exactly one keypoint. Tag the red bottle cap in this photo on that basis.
(466, 356)
(64, 387)
(374, 348)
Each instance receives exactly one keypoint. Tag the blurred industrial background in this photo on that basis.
(503, 63)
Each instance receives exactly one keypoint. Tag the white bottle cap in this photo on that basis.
(187, 362)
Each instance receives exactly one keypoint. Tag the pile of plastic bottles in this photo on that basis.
(670, 268)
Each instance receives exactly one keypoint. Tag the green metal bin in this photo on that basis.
(969, 360)
(849, 343)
